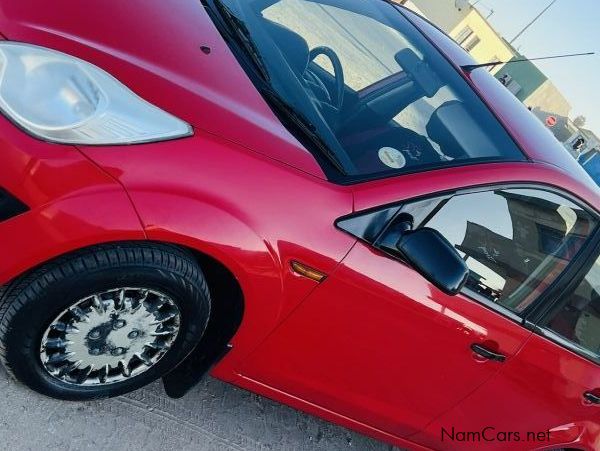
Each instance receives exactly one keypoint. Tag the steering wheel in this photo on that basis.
(338, 71)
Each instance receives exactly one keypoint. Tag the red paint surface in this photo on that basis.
(375, 347)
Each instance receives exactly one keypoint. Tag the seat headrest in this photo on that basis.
(456, 131)
(293, 46)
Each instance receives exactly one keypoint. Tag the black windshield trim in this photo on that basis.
(258, 74)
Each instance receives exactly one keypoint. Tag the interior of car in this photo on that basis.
(372, 87)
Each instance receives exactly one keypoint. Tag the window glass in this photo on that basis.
(378, 94)
(473, 42)
(464, 34)
(365, 62)
(579, 319)
(516, 242)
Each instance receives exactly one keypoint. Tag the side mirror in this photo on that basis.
(435, 258)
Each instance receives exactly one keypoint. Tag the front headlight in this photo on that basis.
(60, 98)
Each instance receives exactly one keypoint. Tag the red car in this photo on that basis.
(322, 201)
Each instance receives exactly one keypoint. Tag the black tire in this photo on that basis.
(30, 303)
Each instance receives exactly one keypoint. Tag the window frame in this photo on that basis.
(530, 316)
(555, 298)
(525, 317)
(464, 35)
(474, 41)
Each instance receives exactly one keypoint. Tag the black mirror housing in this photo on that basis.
(435, 258)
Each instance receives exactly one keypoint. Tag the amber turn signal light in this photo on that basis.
(306, 271)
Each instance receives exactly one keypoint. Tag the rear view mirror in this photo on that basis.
(419, 71)
(435, 258)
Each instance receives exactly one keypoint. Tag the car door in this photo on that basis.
(377, 343)
(548, 396)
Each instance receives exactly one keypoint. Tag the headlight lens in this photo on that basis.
(60, 98)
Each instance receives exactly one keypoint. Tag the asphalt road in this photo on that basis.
(214, 416)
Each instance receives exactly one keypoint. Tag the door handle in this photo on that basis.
(591, 397)
(487, 353)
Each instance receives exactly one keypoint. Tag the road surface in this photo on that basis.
(214, 416)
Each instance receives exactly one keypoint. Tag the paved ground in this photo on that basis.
(214, 416)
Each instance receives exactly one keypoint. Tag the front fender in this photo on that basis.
(252, 214)
(269, 288)
(71, 203)
(63, 226)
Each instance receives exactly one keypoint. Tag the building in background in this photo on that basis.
(465, 24)
(591, 163)
(561, 126)
(582, 142)
(548, 97)
(476, 35)
(532, 87)
(446, 14)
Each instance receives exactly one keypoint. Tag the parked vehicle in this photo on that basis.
(316, 200)
(591, 163)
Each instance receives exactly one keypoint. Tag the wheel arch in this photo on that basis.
(226, 313)
(226, 317)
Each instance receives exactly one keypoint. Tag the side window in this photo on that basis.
(579, 319)
(515, 242)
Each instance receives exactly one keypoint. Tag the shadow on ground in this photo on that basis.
(213, 416)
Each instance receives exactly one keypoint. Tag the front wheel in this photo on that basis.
(103, 321)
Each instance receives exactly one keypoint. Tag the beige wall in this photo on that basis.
(444, 13)
(453, 16)
(548, 98)
(491, 46)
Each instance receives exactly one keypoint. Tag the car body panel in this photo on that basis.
(250, 213)
(245, 192)
(369, 295)
(72, 203)
(397, 354)
(547, 384)
(315, 409)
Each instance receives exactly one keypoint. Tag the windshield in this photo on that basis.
(372, 90)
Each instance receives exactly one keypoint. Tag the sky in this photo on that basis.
(570, 26)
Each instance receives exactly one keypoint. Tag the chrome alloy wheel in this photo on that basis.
(110, 336)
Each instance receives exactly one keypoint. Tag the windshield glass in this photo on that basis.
(378, 96)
